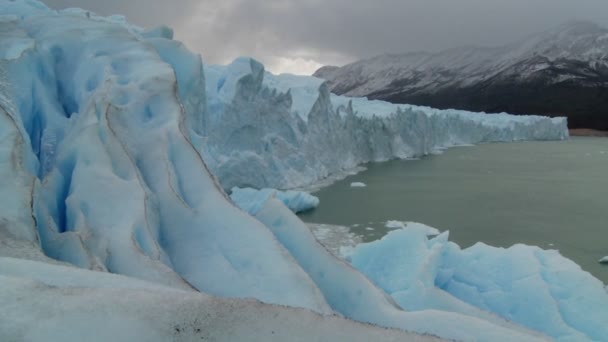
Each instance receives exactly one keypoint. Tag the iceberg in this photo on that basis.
(604, 260)
(117, 146)
(252, 200)
(357, 185)
(539, 289)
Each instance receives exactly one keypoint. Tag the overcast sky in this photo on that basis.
(298, 36)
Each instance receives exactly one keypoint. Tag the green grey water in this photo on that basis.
(550, 194)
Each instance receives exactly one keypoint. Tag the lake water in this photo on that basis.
(550, 194)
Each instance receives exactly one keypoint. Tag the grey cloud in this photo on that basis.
(339, 31)
(146, 13)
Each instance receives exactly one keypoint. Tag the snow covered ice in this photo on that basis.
(64, 303)
(117, 145)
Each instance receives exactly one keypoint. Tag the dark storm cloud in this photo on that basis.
(303, 33)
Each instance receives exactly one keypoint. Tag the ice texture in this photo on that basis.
(99, 160)
(40, 302)
(354, 296)
(536, 288)
(111, 216)
(252, 200)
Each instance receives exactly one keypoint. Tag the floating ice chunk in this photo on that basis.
(252, 200)
(414, 226)
(357, 185)
(604, 260)
(428, 231)
(393, 224)
(538, 289)
(369, 228)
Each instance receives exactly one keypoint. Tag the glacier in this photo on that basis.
(43, 302)
(286, 131)
(117, 146)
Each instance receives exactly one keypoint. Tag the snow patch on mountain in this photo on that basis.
(461, 67)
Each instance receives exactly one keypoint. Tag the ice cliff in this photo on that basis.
(288, 131)
(110, 134)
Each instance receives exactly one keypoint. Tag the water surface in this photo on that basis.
(550, 194)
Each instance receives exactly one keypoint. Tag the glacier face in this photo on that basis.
(288, 131)
(107, 130)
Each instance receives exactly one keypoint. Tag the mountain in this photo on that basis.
(561, 72)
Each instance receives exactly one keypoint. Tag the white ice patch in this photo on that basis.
(414, 226)
(393, 224)
(357, 185)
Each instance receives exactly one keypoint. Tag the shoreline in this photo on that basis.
(587, 132)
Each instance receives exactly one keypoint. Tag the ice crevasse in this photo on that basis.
(117, 143)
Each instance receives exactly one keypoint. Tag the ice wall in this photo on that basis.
(288, 131)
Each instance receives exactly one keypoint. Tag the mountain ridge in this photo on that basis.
(558, 72)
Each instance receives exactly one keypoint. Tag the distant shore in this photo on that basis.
(586, 132)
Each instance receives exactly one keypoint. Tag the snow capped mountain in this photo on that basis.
(558, 72)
